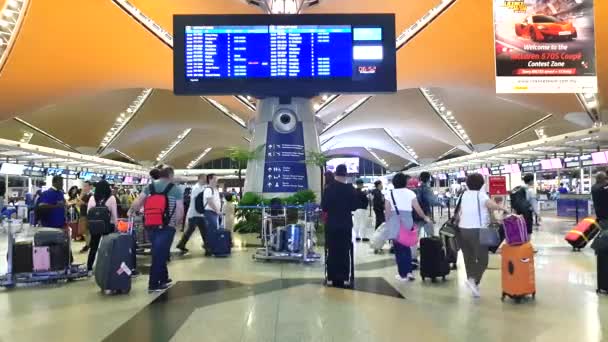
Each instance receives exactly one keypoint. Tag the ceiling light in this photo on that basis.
(226, 111)
(316, 106)
(181, 137)
(589, 96)
(325, 97)
(197, 160)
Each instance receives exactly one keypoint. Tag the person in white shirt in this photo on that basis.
(473, 216)
(399, 205)
(212, 203)
(194, 218)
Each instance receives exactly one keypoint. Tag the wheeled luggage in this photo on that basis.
(220, 242)
(451, 250)
(433, 260)
(50, 237)
(585, 231)
(114, 261)
(22, 257)
(518, 276)
(42, 259)
(516, 231)
(602, 272)
(60, 257)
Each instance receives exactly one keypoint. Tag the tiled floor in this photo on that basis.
(238, 299)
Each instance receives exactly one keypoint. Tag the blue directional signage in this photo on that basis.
(284, 166)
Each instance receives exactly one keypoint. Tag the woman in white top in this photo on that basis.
(103, 193)
(405, 201)
(474, 215)
(228, 210)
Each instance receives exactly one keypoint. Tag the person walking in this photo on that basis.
(83, 202)
(473, 216)
(162, 237)
(194, 218)
(360, 215)
(339, 201)
(599, 194)
(378, 203)
(400, 204)
(103, 196)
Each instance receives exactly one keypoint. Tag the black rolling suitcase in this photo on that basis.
(23, 261)
(340, 269)
(433, 260)
(114, 263)
(220, 242)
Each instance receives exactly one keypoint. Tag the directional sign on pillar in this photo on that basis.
(285, 167)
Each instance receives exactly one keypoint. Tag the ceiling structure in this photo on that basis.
(68, 87)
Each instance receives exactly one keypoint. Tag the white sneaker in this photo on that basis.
(473, 287)
(411, 277)
(401, 280)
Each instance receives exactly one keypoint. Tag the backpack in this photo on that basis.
(98, 219)
(156, 208)
(519, 202)
(199, 201)
(423, 204)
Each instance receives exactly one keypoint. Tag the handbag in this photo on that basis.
(450, 227)
(488, 236)
(406, 237)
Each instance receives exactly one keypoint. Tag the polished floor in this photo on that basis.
(238, 299)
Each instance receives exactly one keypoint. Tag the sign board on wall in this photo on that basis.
(545, 46)
(497, 185)
(284, 166)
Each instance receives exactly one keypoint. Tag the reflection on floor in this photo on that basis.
(237, 299)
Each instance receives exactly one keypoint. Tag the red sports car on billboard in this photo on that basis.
(542, 28)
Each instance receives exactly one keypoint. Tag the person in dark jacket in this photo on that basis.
(339, 201)
(599, 194)
(378, 203)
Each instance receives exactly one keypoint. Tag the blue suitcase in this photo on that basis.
(114, 263)
(220, 242)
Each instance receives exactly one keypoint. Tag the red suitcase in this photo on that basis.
(583, 233)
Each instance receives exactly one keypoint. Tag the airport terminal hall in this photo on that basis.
(304, 170)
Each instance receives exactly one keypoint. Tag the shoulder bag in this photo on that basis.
(406, 237)
(450, 227)
(488, 236)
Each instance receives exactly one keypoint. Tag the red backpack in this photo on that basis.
(156, 208)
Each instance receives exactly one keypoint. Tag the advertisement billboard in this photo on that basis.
(352, 164)
(545, 46)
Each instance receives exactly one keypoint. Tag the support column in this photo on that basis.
(286, 128)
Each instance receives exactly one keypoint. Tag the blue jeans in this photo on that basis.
(161, 240)
(212, 219)
(403, 256)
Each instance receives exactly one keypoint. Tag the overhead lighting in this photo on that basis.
(423, 22)
(237, 119)
(590, 102)
(247, 101)
(164, 153)
(127, 157)
(447, 117)
(198, 159)
(540, 133)
(123, 119)
(316, 106)
(327, 100)
(380, 160)
(11, 17)
(346, 113)
(27, 137)
(408, 149)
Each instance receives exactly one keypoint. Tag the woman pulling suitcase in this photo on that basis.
(102, 214)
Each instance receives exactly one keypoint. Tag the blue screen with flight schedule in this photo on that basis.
(233, 52)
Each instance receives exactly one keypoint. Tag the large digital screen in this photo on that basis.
(12, 169)
(279, 55)
(352, 164)
(599, 158)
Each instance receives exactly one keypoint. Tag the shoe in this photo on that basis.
(365, 240)
(411, 277)
(135, 273)
(183, 250)
(84, 249)
(358, 239)
(169, 281)
(159, 288)
(473, 287)
(208, 254)
(401, 280)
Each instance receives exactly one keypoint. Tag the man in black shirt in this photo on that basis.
(339, 201)
(378, 203)
(599, 193)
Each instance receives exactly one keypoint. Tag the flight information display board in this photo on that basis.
(278, 55)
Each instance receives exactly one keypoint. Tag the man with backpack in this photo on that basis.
(427, 200)
(196, 218)
(163, 205)
(523, 201)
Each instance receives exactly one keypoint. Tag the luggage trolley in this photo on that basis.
(288, 242)
(10, 279)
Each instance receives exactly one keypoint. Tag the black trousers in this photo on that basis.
(93, 247)
(529, 217)
(339, 260)
(380, 218)
(193, 223)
